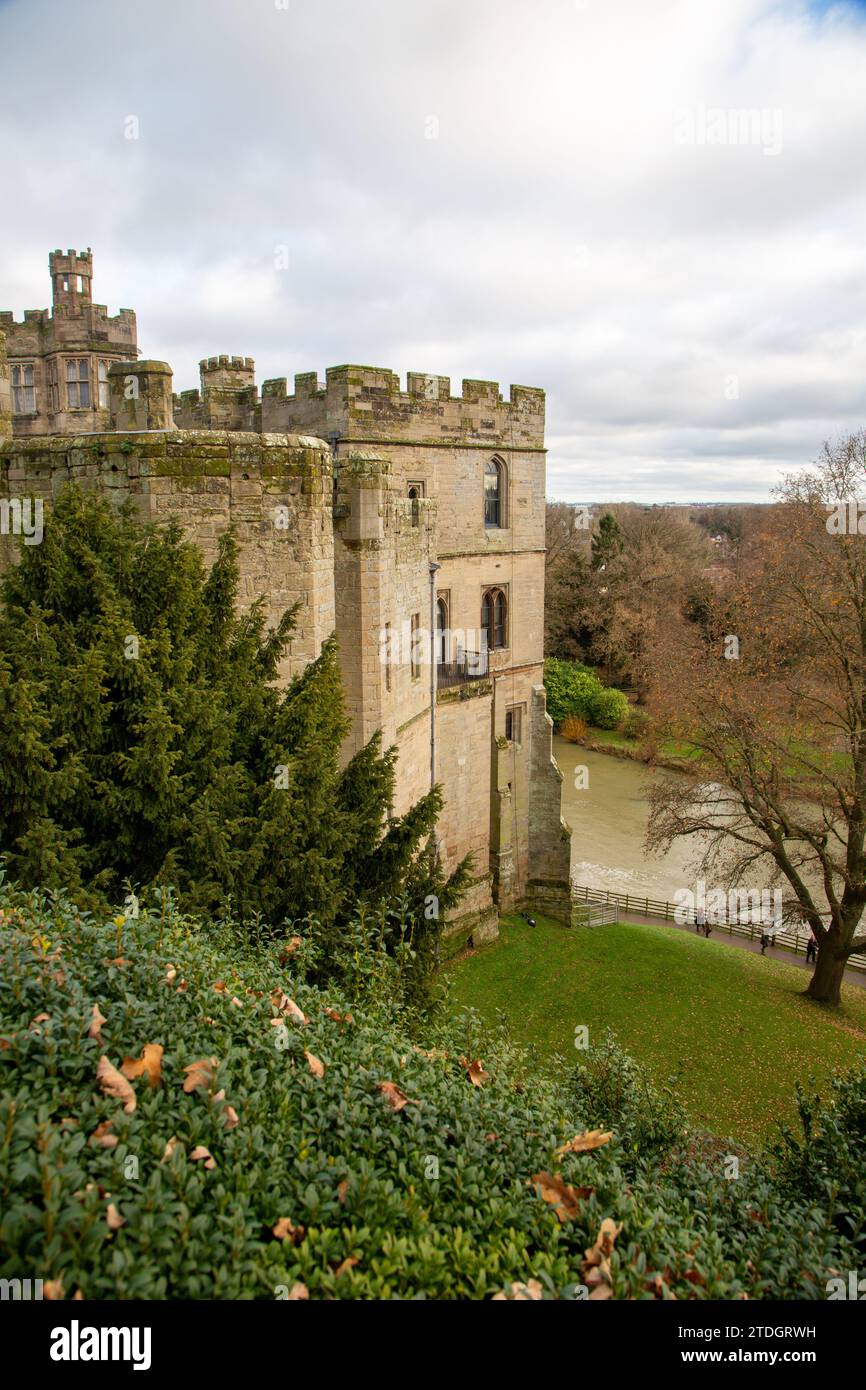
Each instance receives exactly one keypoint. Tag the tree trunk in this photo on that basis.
(826, 982)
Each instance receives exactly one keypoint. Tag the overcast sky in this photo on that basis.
(560, 193)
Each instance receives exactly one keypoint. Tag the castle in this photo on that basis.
(411, 522)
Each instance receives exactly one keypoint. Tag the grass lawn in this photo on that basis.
(729, 1027)
(613, 738)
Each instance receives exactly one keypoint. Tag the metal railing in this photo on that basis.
(656, 907)
(469, 666)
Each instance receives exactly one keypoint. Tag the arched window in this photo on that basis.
(442, 634)
(494, 493)
(414, 497)
(494, 619)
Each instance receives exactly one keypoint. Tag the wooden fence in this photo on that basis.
(655, 907)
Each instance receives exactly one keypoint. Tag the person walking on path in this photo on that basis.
(811, 950)
(700, 920)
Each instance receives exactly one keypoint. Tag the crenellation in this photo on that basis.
(358, 403)
(404, 520)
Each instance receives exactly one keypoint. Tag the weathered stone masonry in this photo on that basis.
(342, 497)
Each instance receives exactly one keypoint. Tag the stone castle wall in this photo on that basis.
(274, 490)
(328, 521)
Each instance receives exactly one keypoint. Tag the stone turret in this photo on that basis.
(71, 279)
(140, 396)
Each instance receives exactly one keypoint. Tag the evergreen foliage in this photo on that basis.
(144, 741)
(261, 1138)
(574, 689)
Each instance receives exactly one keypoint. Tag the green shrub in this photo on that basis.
(400, 1177)
(144, 738)
(573, 689)
(637, 723)
(826, 1162)
(570, 688)
(608, 709)
(610, 1090)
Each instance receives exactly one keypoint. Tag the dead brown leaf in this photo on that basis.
(102, 1138)
(96, 1021)
(475, 1071)
(286, 1229)
(565, 1200)
(114, 1084)
(149, 1064)
(316, 1067)
(392, 1093)
(201, 1154)
(584, 1143)
(169, 1149)
(114, 1218)
(200, 1075)
(530, 1292)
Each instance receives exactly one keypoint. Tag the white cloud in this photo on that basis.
(557, 233)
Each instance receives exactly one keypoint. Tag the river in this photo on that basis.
(609, 818)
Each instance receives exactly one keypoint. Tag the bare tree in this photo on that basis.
(776, 706)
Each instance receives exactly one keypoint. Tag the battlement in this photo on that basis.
(57, 259)
(92, 313)
(363, 402)
(213, 364)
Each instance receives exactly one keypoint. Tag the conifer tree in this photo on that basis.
(143, 737)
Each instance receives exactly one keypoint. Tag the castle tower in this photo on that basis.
(59, 358)
(228, 398)
(71, 279)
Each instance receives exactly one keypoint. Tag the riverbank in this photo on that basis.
(616, 745)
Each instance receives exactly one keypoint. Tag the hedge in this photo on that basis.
(184, 1116)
